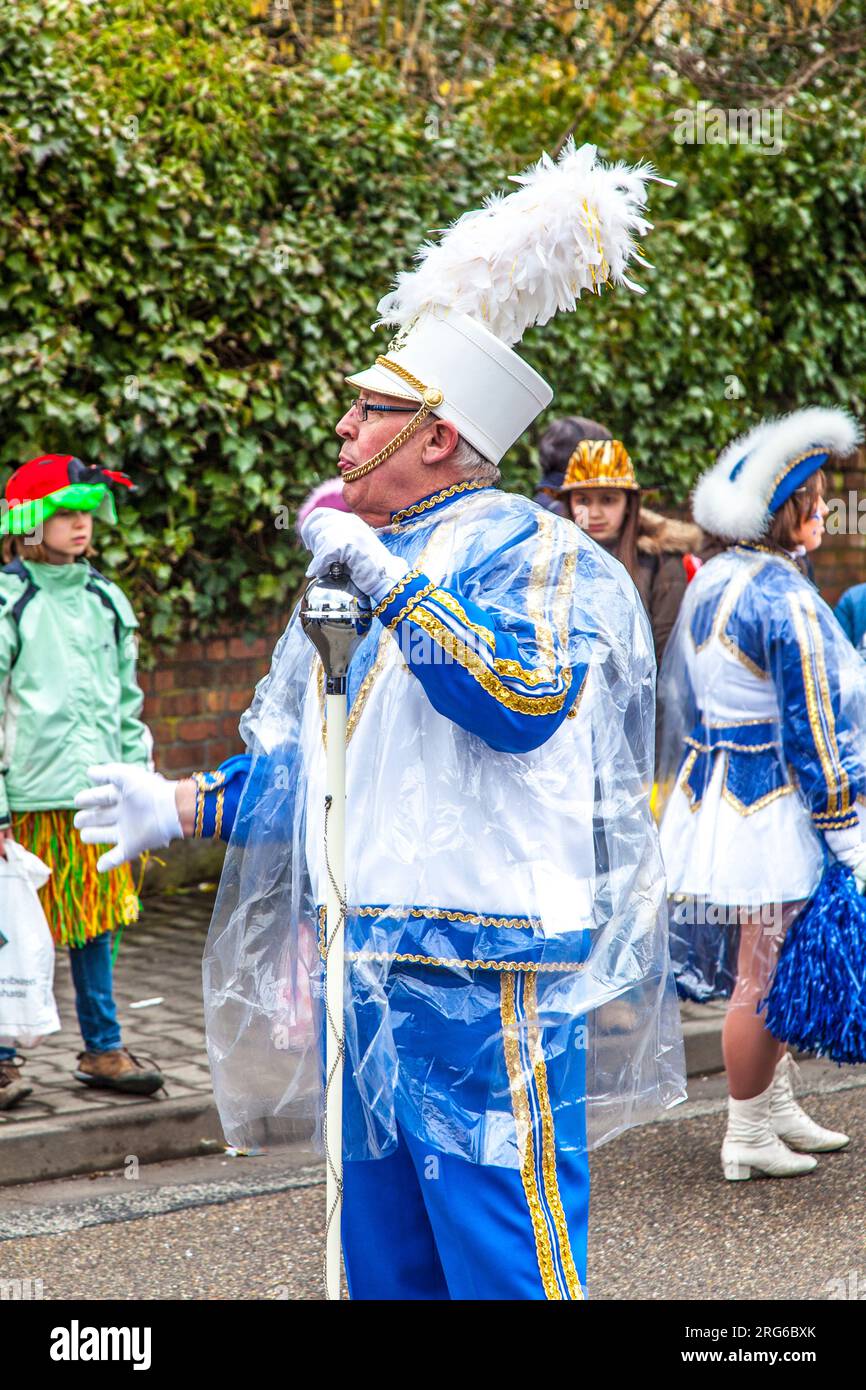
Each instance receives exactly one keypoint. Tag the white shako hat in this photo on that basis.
(494, 273)
(755, 474)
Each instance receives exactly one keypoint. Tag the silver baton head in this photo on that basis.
(336, 617)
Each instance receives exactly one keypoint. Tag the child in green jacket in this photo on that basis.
(69, 698)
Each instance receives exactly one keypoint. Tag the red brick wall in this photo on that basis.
(195, 695)
(841, 560)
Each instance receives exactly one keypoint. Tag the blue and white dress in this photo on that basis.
(763, 765)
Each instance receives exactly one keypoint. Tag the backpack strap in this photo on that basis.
(104, 599)
(31, 589)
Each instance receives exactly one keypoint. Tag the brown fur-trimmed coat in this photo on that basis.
(661, 578)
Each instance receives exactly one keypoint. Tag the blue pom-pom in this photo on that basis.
(817, 1000)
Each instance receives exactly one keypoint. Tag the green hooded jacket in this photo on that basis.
(69, 696)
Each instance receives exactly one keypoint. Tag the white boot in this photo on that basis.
(791, 1123)
(750, 1144)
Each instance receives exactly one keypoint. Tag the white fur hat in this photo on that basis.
(756, 473)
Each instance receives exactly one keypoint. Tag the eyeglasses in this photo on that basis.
(362, 409)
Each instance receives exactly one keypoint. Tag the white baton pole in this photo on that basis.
(335, 863)
(335, 617)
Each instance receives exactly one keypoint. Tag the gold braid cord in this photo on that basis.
(431, 397)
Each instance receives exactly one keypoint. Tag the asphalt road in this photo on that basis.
(664, 1224)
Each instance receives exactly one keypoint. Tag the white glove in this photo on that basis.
(128, 807)
(341, 536)
(850, 850)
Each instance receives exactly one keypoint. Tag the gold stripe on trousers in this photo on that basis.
(543, 1202)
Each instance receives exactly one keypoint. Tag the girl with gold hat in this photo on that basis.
(602, 494)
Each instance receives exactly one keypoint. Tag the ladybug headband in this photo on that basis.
(55, 482)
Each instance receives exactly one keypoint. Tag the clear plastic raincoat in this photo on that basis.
(506, 943)
(763, 764)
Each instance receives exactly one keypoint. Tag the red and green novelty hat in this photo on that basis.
(56, 482)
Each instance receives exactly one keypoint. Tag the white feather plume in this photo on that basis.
(738, 509)
(515, 262)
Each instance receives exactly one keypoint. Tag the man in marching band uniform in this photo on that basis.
(763, 762)
(504, 882)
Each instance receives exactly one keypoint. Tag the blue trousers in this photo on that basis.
(426, 1224)
(493, 1054)
(94, 996)
(421, 1224)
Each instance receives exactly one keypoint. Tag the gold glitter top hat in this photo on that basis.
(601, 463)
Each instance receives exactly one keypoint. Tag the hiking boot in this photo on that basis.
(12, 1088)
(118, 1070)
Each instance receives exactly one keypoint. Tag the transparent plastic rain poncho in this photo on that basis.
(506, 898)
(763, 760)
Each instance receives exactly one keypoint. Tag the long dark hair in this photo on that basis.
(625, 549)
(625, 546)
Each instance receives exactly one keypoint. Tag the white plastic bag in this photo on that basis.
(27, 1008)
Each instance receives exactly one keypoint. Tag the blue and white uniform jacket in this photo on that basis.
(498, 832)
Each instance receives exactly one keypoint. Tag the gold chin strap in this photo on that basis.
(431, 396)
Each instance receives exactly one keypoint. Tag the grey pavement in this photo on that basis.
(158, 958)
(663, 1222)
(64, 1126)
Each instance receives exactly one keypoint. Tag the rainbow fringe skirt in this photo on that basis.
(78, 902)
